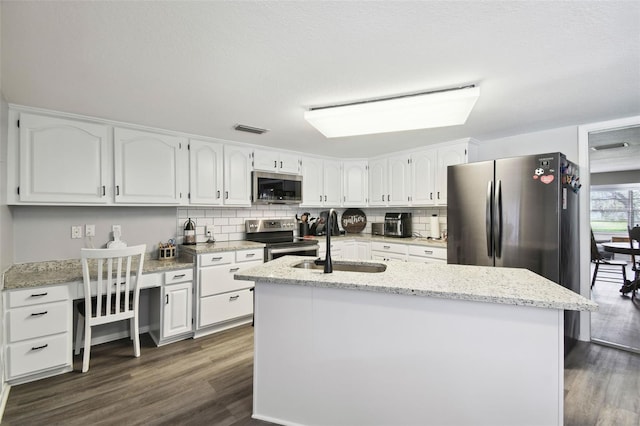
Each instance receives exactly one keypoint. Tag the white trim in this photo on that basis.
(5, 397)
(584, 206)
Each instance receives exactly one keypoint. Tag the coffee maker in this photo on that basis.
(321, 228)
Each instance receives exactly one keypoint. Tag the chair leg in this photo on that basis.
(79, 331)
(87, 348)
(595, 274)
(136, 335)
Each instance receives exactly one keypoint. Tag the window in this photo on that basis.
(615, 208)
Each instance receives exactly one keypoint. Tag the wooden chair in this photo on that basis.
(109, 272)
(610, 266)
(634, 236)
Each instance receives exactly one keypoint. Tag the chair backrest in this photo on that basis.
(110, 270)
(595, 254)
(634, 235)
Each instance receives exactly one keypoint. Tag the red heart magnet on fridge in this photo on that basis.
(546, 179)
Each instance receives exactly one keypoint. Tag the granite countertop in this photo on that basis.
(220, 246)
(418, 241)
(510, 286)
(25, 275)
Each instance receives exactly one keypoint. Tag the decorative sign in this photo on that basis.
(353, 221)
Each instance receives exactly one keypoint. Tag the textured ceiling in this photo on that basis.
(201, 67)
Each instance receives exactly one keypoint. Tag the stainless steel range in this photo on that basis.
(278, 236)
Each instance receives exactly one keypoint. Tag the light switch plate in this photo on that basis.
(90, 230)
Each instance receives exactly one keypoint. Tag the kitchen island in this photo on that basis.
(417, 344)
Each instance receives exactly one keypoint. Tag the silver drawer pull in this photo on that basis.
(234, 298)
(38, 314)
(234, 269)
(37, 348)
(428, 251)
(179, 276)
(250, 254)
(386, 247)
(39, 294)
(216, 258)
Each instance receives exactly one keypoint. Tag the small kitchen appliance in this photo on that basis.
(377, 228)
(276, 188)
(397, 225)
(277, 234)
(189, 233)
(321, 228)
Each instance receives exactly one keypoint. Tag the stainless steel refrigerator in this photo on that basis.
(518, 212)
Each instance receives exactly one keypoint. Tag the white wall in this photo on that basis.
(563, 139)
(44, 233)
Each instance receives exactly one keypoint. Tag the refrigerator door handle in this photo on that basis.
(489, 218)
(497, 220)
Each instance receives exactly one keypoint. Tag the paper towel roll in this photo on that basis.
(435, 227)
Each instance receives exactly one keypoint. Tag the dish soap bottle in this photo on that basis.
(189, 233)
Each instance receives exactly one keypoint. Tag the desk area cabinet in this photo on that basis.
(170, 310)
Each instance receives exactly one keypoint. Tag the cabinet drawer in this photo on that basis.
(37, 321)
(212, 259)
(424, 259)
(38, 354)
(248, 255)
(379, 255)
(388, 247)
(182, 275)
(435, 252)
(37, 295)
(216, 280)
(224, 307)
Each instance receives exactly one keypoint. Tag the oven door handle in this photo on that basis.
(309, 247)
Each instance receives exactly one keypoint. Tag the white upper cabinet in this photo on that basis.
(355, 188)
(423, 177)
(312, 171)
(378, 182)
(332, 183)
(389, 181)
(276, 162)
(148, 167)
(206, 176)
(62, 161)
(237, 176)
(448, 156)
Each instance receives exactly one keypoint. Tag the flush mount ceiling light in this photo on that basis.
(438, 108)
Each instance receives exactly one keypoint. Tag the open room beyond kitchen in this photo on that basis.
(319, 213)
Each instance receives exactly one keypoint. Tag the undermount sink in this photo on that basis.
(344, 266)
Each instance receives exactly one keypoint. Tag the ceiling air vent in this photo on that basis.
(610, 146)
(249, 129)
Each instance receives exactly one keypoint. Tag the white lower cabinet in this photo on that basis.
(388, 251)
(38, 329)
(171, 316)
(359, 250)
(428, 254)
(224, 302)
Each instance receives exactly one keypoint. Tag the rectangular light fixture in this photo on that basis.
(440, 108)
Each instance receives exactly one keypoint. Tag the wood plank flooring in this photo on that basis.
(208, 381)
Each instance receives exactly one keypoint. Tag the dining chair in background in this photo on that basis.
(114, 273)
(609, 269)
(634, 236)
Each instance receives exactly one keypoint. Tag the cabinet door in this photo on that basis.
(449, 156)
(205, 172)
(265, 160)
(363, 250)
(63, 161)
(312, 177)
(332, 183)
(355, 183)
(177, 309)
(378, 182)
(237, 176)
(423, 177)
(289, 163)
(148, 167)
(399, 181)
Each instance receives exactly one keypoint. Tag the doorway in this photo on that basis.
(613, 204)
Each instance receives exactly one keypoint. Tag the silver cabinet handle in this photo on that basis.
(428, 251)
(234, 269)
(218, 194)
(250, 254)
(178, 276)
(226, 195)
(431, 195)
(325, 198)
(275, 164)
(234, 298)
(386, 247)
(320, 197)
(215, 259)
(281, 164)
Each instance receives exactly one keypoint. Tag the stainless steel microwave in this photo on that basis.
(276, 188)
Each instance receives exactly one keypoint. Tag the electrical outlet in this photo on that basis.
(76, 231)
(209, 230)
(90, 230)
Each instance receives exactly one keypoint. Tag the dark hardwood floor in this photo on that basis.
(208, 381)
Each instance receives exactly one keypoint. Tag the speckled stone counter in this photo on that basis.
(477, 283)
(220, 246)
(25, 275)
